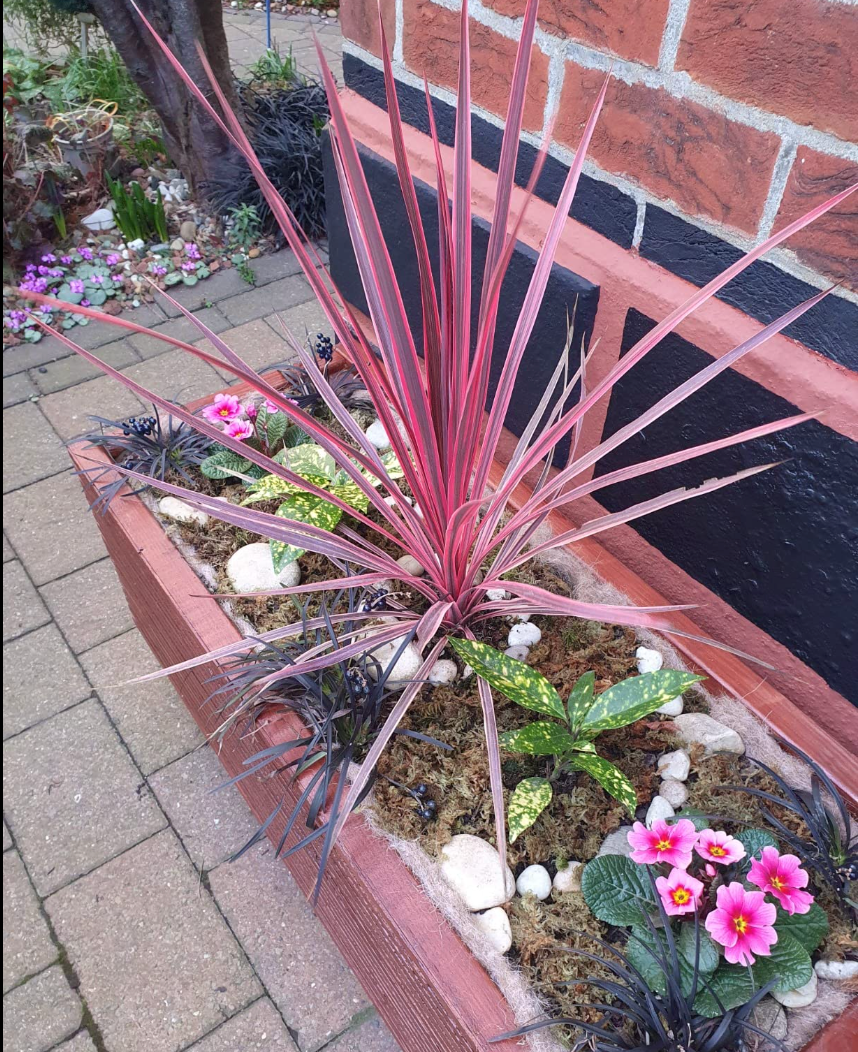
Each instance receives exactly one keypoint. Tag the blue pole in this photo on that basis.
(268, 22)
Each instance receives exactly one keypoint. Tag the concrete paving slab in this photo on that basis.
(68, 372)
(72, 796)
(371, 1036)
(89, 605)
(17, 388)
(40, 1013)
(256, 343)
(41, 678)
(23, 609)
(32, 450)
(278, 295)
(69, 411)
(256, 1029)
(176, 375)
(27, 944)
(81, 1042)
(180, 328)
(157, 965)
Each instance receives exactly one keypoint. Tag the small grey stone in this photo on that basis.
(495, 925)
(659, 809)
(188, 230)
(836, 970)
(472, 867)
(517, 653)
(674, 792)
(568, 878)
(712, 735)
(675, 765)
(801, 997)
(770, 1017)
(617, 843)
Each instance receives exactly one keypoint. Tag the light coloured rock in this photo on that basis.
(188, 230)
(472, 867)
(443, 672)
(495, 924)
(671, 708)
(769, 1017)
(712, 735)
(617, 843)
(524, 634)
(393, 502)
(377, 435)
(648, 660)
(518, 618)
(405, 667)
(801, 997)
(137, 245)
(534, 880)
(836, 970)
(496, 595)
(100, 219)
(467, 671)
(674, 792)
(568, 878)
(658, 809)
(250, 569)
(410, 566)
(519, 653)
(676, 765)
(177, 244)
(180, 511)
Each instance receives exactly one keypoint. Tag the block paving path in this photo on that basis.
(125, 928)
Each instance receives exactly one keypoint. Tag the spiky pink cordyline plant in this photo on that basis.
(435, 415)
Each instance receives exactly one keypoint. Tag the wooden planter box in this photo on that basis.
(431, 992)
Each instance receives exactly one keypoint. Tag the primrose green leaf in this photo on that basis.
(636, 697)
(789, 963)
(753, 841)
(224, 464)
(529, 799)
(733, 986)
(642, 944)
(809, 928)
(276, 426)
(611, 778)
(538, 739)
(708, 953)
(302, 507)
(581, 699)
(520, 683)
(618, 890)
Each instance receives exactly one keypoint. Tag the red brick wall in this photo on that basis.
(737, 114)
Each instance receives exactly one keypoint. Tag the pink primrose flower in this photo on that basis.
(719, 847)
(680, 892)
(743, 923)
(663, 843)
(239, 429)
(224, 409)
(781, 876)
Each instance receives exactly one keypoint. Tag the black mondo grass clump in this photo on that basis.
(346, 384)
(655, 1013)
(342, 707)
(148, 445)
(830, 847)
(285, 126)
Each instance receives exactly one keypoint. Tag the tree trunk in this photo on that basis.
(194, 141)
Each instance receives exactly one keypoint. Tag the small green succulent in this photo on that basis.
(584, 716)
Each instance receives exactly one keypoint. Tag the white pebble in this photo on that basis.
(672, 708)
(675, 765)
(180, 511)
(617, 843)
(658, 809)
(801, 997)
(410, 566)
(648, 660)
(525, 634)
(534, 881)
(472, 867)
(137, 245)
(250, 569)
(377, 435)
(100, 219)
(405, 667)
(836, 970)
(568, 878)
(712, 735)
(496, 595)
(495, 925)
(443, 672)
(467, 672)
(674, 792)
(519, 653)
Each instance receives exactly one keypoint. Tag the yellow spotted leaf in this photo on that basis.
(521, 683)
(636, 697)
(302, 507)
(529, 799)
(611, 778)
(538, 739)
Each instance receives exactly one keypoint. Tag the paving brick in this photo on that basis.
(81, 1042)
(40, 1013)
(158, 967)
(98, 333)
(73, 797)
(303, 321)
(29, 355)
(256, 1029)
(68, 372)
(220, 286)
(371, 1036)
(7, 551)
(52, 528)
(23, 609)
(150, 717)
(31, 449)
(176, 375)
(212, 825)
(89, 605)
(69, 410)
(275, 265)
(256, 303)
(256, 342)
(27, 944)
(292, 953)
(180, 329)
(7, 838)
(17, 388)
(41, 678)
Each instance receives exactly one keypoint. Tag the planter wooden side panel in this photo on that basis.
(430, 991)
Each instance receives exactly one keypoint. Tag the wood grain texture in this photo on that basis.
(431, 992)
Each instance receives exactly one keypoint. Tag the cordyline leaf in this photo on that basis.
(538, 739)
(611, 778)
(636, 697)
(520, 683)
(529, 799)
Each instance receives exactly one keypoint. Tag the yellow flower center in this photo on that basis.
(717, 851)
(681, 896)
(223, 412)
(663, 845)
(741, 925)
(778, 883)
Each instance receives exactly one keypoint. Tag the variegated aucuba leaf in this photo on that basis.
(636, 697)
(352, 494)
(611, 778)
(581, 700)
(302, 507)
(521, 683)
(529, 799)
(538, 739)
(391, 466)
(311, 461)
